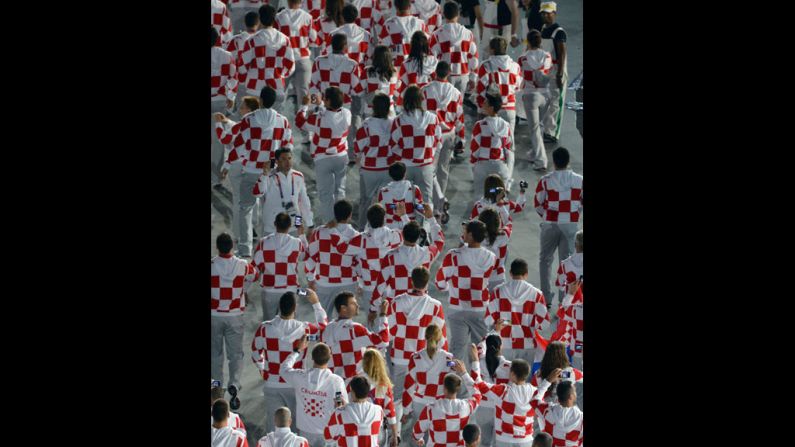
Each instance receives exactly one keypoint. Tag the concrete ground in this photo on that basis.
(524, 242)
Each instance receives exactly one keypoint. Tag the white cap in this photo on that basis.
(549, 7)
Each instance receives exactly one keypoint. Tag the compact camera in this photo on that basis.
(298, 223)
(523, 184)
(301, 292)
(496, 190)
(451, 363)
(313, 337)
(565, 374)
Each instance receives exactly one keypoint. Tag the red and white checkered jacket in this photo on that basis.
(276, 257)
(297, 25)
(221, 22)
(505, 77)
(575, 376)
(282, 437)
(415, 137)
(443, 99)
(372, 84)
(329, 130)
(228, 437)
(396, 34)
(570, 270)
(384, 398)
(500, 250)
(315, 8)
(409, 315)
(513, 412)
(570, 323)
(563, 424)
(336, 70)
(531, 62)
(491, 138)
(223, 77)
(267, 59)
(446, 419)
(228, 277)
(395, 192)
(323, 28)
(395, 276)
(235, 47)
(348, 340)
(524, 307)
(263, 132)
(356, 424)
(454, 44)
(369, 247)
(370, 17)
(425, 378)
(501, 375)
(372, 143)
(465, 272)
(275, 340)
(315, 391)
(429, 11)
(506, 208)
(559, 197)
(360, 43)
(412, 74)
(324, 263)
(226, 133)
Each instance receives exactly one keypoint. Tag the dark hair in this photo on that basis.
(342, 299)
(492, 181)
(419, 49)
(220, 410)
(411, 232)
(268, 96)
(542, 439)
(334, 11)
(560, 157)
(375, 215)
(360, 387)
(381, 104)
(494, 101)
(381, 63)
(477, 229)
(420, 277)
(452, 383)
(491, 218)
(521, 369)
(451, 10)
(287, 304)
(321, 354)
(565, 390)
(471, 431)
(282, 221)
(280, 151)
(334, 96)
(338, 42)
(443, 68)
(534, 38)
(213, 36)
(224, 243)
(266, 15)
(554, 357)
(397, 171)
(349, 13)
(493, 346)
(342, 210)
(251, 19)
(402, 5)
(519, 267)
(412, 99)
(499, 45)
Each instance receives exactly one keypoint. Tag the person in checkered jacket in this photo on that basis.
(370, 15)
(235, 47)
(558, 200)
(399, 192)
(223, 87)
(570, 269)
(446, 417)
(238, 9)
(419, 67)
(221, 22)
(497, 239)
(555, 357)
(315, 8)
(494, 196)
(379, 77)
(281, 436)
(336, 70)
(397, 31)
(570, 322)
(222, 434)
(429, 12)
(491, 145)
(498, 370)
(229, 277)
(454, 44)
(358, 423)
(373, 153)
(331, 20)
(562, 420)
(381, 393)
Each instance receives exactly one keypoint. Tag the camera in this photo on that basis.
(300, 291)
(234, 402)
(391, 206)
(338, 398)
(215, 384)
(451, 363)
(313, 337)
(496, 190)
(420, 207)
(523, 184)
(298, 223)
(565, 374)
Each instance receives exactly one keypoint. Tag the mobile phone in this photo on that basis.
(420, 207)
(301, 292)
(565, 374)
(338, 398)
(313, 337)
(451, 363)
(298, 221)
(215, 384)
(391, 206)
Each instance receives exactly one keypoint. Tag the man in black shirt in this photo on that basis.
(554, 41)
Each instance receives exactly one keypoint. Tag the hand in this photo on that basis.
(312, 286)
(514, 41)
(405, 418)
(572, 287)
(303, 343)
(428, 211)
(473, 352)
(371, 318)
(220, 117)
(311, 296)
(459, 367)
(400, 209)
(229, 104)
(383, 307)
(501, 196)
(420, 443)
(315, 99)
(499, 324)
(554, 376)
(305, 100)
(301, 230)
(224, 172)
(470, 85)
(560, 82)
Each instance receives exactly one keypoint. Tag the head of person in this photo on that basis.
(282, 222)
(493, 350)
(350, 13)
(419, 48)
(554, 357)
(287, 303)
(374, 366)
(412, 99)
(474, 232)
(248, 105)
(375, 215)
(578, 242)
(267, 15)
(342, 210)
(452, 385)
(534, 39)
(220, 411)
(411, 232)
(567, 394)
(420, 277)
(333, 97)
(334, 10)
(520, 371)
(519, 269)
(433, 336)
(560, 158)
(397, 170)
(251, 20)
(360, 388)
(224, 243)
(493, 187)
(294, 4)
(267, 97)
(284, 159)
(283, 417)
(346, 305)
(402, 5)
(471, 432)
(213, 36)
(451, 11)
(216, 392)
(549, 12)
(321, 354)
(542, 439)
(381, 63)
(492, 105)
(443, 68)
(381, 104)
(339, 42)
(491, 218)
(498, 46)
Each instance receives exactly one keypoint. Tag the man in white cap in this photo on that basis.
(554, 41)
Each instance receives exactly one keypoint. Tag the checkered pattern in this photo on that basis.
(429, 11)
(413, 143)
(360, 43)
(329, 130)
(569, 270)
(559, 205)
(513, 413)
(409, 315)
(348, 340)
(502, 374)
(314, 7)
(454, 44)
(236, 422)
(396, 192)
(500, 249)
(323, 260)
(355, 425)
(323, 28)
(372, 143)
(563, 424)
(374, 84)
(278, 262)
(504, 74)
(491, 137)
(465, 271)
(443, 99)
(223, 77)
(506, 208)
(570, 324)
(226, 133)
(385, 400)
(296, 24)
(524, 307)
(576, 376)
(396, 34)
(336, 70)
(530, 69)
(267, 59)
(228, 278)
(425, 378)
(369, 248)
(410, 74)
(370, 17)
(235, 46)
(445, 419)
(221, 21)
(262, 133)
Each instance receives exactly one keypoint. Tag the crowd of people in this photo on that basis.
(383, 85)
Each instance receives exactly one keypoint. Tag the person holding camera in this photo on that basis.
(555, 359)
(498, 370)
(570, 322)
(495, 195)
(491, 145)
(283, 190)
(400, 192)
(562, 420)
(357, 423)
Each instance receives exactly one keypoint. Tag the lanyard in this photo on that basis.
(292, 188)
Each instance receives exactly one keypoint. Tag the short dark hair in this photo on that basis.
(499, 45)
(213, 36)
(280, 151)
(420, 277)
(338, 41)
(542, 439)
(402, 5)
(411, 232)
(349, 13)
(560, 157)
(342, 210)
(521, 369)
(519, 267)
(268, 97)
(220, 410)
(360, 387)
(451, 10)
(452, 383)
(397, 170)
(321, 354)
(381, 104)
(412, 99)
(282, 221)
(334, 95)
(471, 431)
(267, 14)
(224, 243)
(534, 38)
(375, 215)
(287, 303)
(494, 101)
(251, 19)
(565, 390)
(477, 229)
(443, 68)
(342, 299)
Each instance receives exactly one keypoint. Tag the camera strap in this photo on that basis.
(292, 190)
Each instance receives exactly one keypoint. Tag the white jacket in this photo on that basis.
(227, 437)
(315, 390)
(282, 437)
(277, 189)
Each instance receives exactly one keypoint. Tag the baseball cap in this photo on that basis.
(549, 7)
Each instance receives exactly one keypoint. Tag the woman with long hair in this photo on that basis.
(497, 239)
(379, 77)
(497, 370)
(555, 357)
(381, 393)
(419, 68)
(494, 196)
(331, 20)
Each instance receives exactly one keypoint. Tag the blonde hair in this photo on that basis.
(433, 335)
(374, 366)
(252, 102)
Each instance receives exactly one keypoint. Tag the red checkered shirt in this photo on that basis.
(372, 144)
(384, 398)
(221, 22)
(323, 28)
(263, 132)
(395, 192)
(524, 307)
(314, 7)
(370, 17)
(297, 25)
(429, 11)
(282, 437)
(570, 323)
(396, 34)
(501, 375)
(329, 130)
(559, 197)
(324, 263)
(425, 378)
(454, 44)
(491, 138)
(443, 99)
(369, 247)
(348, 340)
(356, 424)
(506, 208)
(570, 270)
(228, 277)
(226, 133)
(500, 250)
(530, 62)
(223, 77)
(513, 412)
(409, 315)
(336, 70)
(415, 137)
(235, 46)
(575, 376)
(276, 257)
(275, 340)
(360, 43)
(372, 84)
(267, 60)
(446, 418)
(505, 75)
(411, 74)
(563, 424)
(465, 272)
